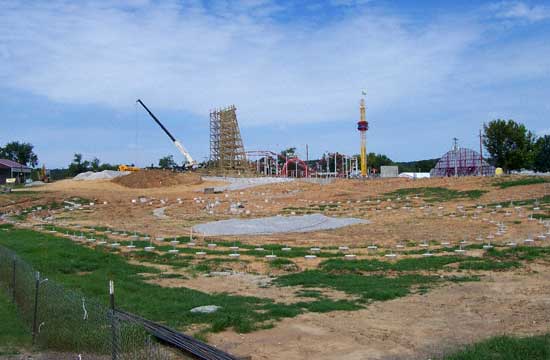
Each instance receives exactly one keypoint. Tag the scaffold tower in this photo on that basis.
(226, 146)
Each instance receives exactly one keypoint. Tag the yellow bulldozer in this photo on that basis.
(128, 168)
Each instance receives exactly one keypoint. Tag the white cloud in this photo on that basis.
(521, 11)
(184, 56)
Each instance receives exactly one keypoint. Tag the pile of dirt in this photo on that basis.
(146, 179)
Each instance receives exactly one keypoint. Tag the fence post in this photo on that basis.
(114, 355)
(35, 314)
(13, 278)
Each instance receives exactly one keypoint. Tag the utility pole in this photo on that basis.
(455, 150)
(336, 164)
(307, 160)
(480, 153)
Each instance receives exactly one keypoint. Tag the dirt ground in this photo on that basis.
(145, 179)
(416, 326)
(130, 210)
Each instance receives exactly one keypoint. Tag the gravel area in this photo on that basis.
(102, 175)
(275, 224)
(243, 183)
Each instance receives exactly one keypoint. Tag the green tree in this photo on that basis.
(375, 161)
(19, 152)
(542, 154)
(78, 166)
(167, 162)
(287, 153)
(95, 164)
(417, 166)
(510, 144)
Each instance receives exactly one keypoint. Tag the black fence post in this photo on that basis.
(35, 314)
(13, 278)
(114, 354)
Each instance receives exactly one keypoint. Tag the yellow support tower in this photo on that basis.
(363, 126)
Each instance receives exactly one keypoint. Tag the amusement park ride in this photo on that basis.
(363, 126)
(334, 165)
(270, 163)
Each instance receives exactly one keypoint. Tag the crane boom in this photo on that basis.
(178, 144)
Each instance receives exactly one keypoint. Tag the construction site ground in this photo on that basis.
(406, 218)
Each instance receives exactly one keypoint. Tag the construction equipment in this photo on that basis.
(44, 175)
(190, 162)
(128, 168)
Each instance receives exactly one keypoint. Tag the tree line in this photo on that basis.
(510, 145)
(20, 152)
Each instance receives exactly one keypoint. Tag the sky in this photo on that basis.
(71, 71)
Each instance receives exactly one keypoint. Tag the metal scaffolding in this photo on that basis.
(462, 162)
(226, 145)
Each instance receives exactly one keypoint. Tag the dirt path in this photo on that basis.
(408, 328)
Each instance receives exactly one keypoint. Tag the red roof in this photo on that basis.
(12, 164)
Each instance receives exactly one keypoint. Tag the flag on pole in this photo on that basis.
(364, 92)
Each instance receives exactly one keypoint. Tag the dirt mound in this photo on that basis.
(146, 179)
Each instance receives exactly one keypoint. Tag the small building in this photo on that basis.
(11, 169)
(389, 171)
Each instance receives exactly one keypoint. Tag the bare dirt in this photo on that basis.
(415, 327)
(146, 179)
(247, 285)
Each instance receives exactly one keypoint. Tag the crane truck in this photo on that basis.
(190, 163)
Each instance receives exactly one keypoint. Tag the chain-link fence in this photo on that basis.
(69, 323)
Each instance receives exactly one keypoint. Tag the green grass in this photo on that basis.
(281, 263)
(438, 194)
(21, 193)
(171, 276)
(418, 264)
(488, 265)
(13, 334)
(368, 288)
(506, 348)
(310, 293)
(89, 270)
(521, 182)
(520, 253)
(524, 202)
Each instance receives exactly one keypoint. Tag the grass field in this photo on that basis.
(255, 293)
(437, 194)
(13, 335)
(420, 264)
(506, 348)
(89, 271)
(521, 182)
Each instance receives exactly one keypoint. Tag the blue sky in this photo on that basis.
(70, 73)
